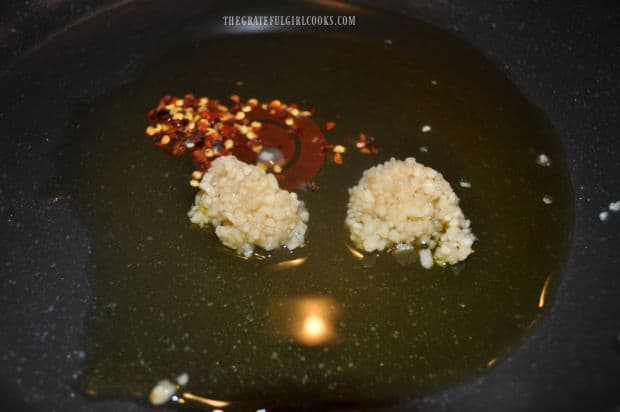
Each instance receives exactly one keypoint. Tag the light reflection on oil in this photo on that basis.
(310, 321)
(543, 292)
(201, 399)
(166, 391)
(356, 253)
(288, 264)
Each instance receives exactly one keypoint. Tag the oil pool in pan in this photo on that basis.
(319, 323)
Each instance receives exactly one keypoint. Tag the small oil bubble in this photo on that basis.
(543, 160)
(547, 199)
(270, 157)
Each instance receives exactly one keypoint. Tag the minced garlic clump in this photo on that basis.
(402, 203)
(248, 208)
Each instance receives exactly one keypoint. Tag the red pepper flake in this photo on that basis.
(152, 131)
(366, 144)
(309, 187)
(178, 148)
(208, 129)
(203, 124)
(189, 100)
(313, 186)
(275, 104)
(330, 125)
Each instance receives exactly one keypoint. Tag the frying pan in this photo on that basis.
(565, 58)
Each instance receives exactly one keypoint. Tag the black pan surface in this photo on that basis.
(564, 60)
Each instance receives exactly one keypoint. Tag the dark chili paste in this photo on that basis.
(208, 129)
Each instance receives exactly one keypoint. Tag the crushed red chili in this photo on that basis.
(209, 129)
(338, 158)
(366, 144)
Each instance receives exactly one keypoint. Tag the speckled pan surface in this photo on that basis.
(564, 60)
